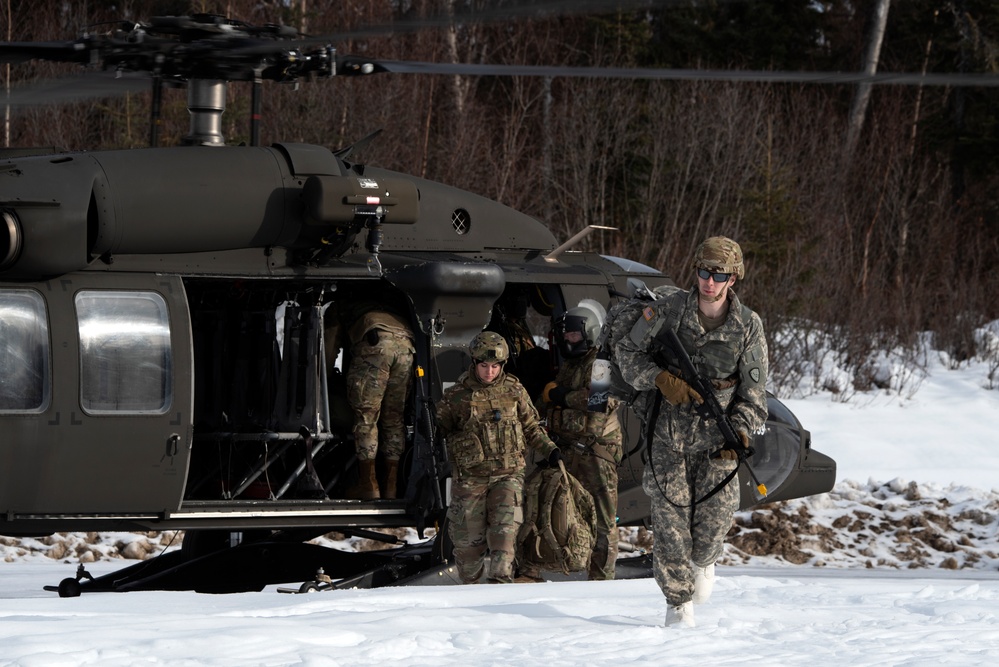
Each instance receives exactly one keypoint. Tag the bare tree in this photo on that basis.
(871, 56)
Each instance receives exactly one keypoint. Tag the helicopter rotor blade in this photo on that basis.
(113, 84)
(77, 88)
(757, 76)
(202, 46)
(16, 53)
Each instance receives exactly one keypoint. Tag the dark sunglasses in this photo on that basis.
(704, 274)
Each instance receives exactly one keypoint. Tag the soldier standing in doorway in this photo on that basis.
(378, 383)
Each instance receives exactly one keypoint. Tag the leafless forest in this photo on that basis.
(867, 245)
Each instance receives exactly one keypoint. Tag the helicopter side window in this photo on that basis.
(125, 360)
(25, 383)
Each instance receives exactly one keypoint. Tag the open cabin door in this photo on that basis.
(110, 427)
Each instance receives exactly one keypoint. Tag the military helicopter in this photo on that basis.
(165, 362)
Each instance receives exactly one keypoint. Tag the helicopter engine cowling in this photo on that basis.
(61, 212)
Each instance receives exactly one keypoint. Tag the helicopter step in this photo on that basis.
(288, 513)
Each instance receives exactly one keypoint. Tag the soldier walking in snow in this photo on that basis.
(690, 513)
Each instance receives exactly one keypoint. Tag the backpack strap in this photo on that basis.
(549, 490)
(555, 483)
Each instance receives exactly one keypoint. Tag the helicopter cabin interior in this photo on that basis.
(269, 362)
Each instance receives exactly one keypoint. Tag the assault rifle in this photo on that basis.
(668, 351)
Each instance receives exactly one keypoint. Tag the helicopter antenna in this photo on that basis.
(577, 237)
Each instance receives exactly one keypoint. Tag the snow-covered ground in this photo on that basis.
(898, 565)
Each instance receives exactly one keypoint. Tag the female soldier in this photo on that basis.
(488, 421)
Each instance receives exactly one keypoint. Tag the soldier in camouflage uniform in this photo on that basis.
(488, 421)
(378, 383)
(586, 430)
(725, 341)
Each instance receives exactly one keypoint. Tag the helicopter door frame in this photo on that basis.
(114, 438)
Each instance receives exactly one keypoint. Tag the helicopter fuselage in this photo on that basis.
(166, 361)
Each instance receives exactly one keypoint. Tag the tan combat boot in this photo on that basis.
(391, 478)
(367, 484)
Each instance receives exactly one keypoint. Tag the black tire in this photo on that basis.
(69, 588)
(309, 587)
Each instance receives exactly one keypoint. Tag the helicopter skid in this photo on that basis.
(255, 565)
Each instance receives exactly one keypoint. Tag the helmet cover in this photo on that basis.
(720, 254)
(490, 347)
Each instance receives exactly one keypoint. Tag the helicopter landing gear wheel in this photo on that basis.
(69, 588)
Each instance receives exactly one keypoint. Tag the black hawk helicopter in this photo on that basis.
(164, 362)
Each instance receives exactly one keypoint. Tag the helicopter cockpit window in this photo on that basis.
(25, 384)
(125, 360)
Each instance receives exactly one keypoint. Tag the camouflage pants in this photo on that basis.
(377, 386)
(486, 512)
(687, 532)
(599, 477)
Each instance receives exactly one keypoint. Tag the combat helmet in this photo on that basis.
(489, 346)
(587, 319)
(722, 254)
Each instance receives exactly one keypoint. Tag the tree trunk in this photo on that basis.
(859, 108)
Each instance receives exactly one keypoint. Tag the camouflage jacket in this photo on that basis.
(489, 427)
(574, 420)
(733, 357)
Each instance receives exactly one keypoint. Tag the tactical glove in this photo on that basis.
(555, 457)
(554, 394)
(731, 454)
(675, 390)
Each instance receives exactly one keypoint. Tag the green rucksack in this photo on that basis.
(560, 522)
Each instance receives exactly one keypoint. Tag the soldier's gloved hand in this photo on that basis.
(554, 394)
(555, 457)
(675, 390)
(731, 454)
(744, 437)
